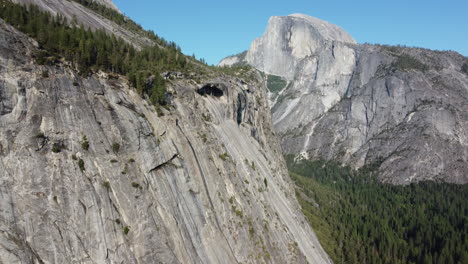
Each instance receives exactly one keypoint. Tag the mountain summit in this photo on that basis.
(327, 30)
(287, 41)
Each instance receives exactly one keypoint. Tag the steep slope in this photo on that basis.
(89, 19)
(400, 109)
(89, 173)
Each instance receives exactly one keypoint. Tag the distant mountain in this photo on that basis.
(402, 110)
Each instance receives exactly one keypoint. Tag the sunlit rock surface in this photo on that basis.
(203, 183)
(402, 110)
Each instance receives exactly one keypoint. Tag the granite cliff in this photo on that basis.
(402, 110)
(91, 173)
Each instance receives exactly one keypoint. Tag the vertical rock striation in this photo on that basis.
(89, 173)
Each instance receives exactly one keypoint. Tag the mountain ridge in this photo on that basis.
(357, 104)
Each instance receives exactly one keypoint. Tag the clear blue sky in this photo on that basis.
(215, 29)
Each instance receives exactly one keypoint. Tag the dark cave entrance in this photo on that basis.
(211, 89)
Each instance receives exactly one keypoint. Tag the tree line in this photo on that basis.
(90, 50)
(360, 220)
(125, 22)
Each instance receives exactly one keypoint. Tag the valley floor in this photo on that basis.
(359, 220)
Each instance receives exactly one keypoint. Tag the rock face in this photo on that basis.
(401, 109)
(291, 39)
(89, 173)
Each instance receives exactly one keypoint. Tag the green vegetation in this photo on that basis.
(238, 212)
(245, 72)
(57, 147)
(224, 156)
(239, 70)
(405, 62)
(206, 117)
(251, 164)
(251, 231)
(106, 185)
(90, 51)
(464, 67)
(126, 230)
(81, 165)
(115, 147)
(204, 137)
(85, 143)
(359, 220)
(275, 83)
(123, 21)
(391, 48)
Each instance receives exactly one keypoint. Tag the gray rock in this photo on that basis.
(401, 109)
(205, 183)
(290, 40)
(234, 60)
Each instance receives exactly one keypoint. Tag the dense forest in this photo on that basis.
(88, 50)
(359, 220)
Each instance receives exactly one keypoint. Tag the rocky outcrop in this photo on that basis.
(108, 3)
(234, 60)
(399, 109)
(89, 173)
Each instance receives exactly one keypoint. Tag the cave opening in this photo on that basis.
(211, 89)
